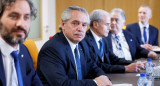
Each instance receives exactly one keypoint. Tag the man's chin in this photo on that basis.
(19, 40)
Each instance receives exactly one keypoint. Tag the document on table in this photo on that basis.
(156, 50)
(124, 84)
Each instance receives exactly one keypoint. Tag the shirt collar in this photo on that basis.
(141, 25)
(5, 48)
(72, 45)
(120, 34)
(97, 38)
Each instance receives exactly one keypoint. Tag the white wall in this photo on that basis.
(48, 21)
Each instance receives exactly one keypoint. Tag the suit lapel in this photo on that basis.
(129, 41)
(20, 56)
(138, 31)
(150, 36)
(2, 74)
(70, 55)
(93, 43)
(109, 41)
(68, 50)
(82, 60)
(106, 51)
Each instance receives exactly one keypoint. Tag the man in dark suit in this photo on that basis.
(16, 65)
(121, 41)
(147, 35)
(64, 60)
(99, 28)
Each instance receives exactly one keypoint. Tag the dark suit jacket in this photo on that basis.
(111, 64)
(135, 49)
(56, 66)
(30, 77)
(153, 33)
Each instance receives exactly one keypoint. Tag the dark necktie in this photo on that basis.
(101, 48)
(17, 66)
(78, 63)
(145, 35)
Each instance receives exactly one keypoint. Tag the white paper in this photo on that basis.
(156, 49)
(124, 84)
(138, 75)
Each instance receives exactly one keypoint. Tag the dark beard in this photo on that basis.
(8, 37)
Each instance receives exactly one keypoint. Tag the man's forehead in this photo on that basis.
(144, 9)
(79, 15)
(18, 5)
(115, 16)
(78, 21)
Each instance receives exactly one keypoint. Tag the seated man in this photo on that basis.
(64, 60)
(99, 48)
(16, 65)
(122, 43)
(146, 34)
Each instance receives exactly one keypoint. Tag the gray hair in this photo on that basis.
(146, 6)
(97, 15)
(66, 13)
(120, 11)
(4, 3)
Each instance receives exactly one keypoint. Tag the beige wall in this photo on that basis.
(129, 6)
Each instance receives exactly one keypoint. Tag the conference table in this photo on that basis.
(130, 78)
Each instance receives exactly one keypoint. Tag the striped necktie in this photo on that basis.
(119, 47)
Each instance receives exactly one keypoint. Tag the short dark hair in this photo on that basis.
(4, 3)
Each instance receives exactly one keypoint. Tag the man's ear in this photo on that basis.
(150, 16)
(62, 23)
(95, 24)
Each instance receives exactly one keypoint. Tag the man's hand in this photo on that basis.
(147, 47)
(155, 47)
(134, 67)
(153, 55)
(102, 81)
(141, 64)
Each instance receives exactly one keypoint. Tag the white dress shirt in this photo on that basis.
(142, 30)
(73, 46)
(8, 63)
(124, 45)
(97, 38)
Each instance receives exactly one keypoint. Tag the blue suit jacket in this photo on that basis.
(30, 77)
(153, 33)
(135, 49)
(111, 64)
(56, 65)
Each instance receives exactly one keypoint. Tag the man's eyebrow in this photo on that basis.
(18, 13)
(75, 21)
(13, 13)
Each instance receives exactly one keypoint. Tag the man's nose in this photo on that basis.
(80, 27)
(20, 22)
(141, 14)
(109, 27)
(113, 22)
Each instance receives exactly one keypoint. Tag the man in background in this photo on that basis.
(146, 34)
(122, 42)
(99, 48)
(64, 60)
(16, 65)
